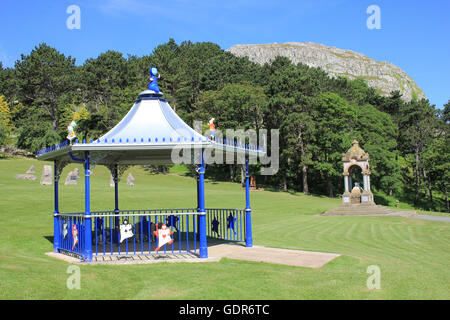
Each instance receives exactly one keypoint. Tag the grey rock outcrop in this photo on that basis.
(31, 177)
(47, 175)
(130, 180)
(32, 169)
(28, 176)
(72, 177)
(383, 76)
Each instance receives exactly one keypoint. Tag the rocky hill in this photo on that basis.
(383, 76)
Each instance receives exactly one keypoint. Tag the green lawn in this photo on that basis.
(413, 255)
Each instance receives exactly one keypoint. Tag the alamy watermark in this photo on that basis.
(231, 147)
(374, 280)
(374, 20)
(74, 280)
(74, 20)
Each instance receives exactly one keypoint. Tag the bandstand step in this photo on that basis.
(143, 258)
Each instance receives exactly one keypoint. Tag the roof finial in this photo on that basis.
(154, 76)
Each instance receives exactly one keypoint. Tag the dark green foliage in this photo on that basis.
(44, 78)
(36, 134)
(446, 113)
(4, 132)
(377, 133)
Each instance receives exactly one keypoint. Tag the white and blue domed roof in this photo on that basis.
(146, 135)
(151, 120)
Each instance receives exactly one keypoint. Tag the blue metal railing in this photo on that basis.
(71, 233)
(106, 234)
(226, 224)
(223, 224)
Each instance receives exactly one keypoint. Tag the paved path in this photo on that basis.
(289, 257)
(433, 218)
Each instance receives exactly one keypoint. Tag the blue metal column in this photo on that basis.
(202, 210)
(116, 204)
(116, 189)
(198, 206)
(87, 254)
(248, 210)
(56, 233)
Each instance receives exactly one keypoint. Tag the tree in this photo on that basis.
(4, 132)
(44, 77)
(103, 77)
(318, 116)
(5, 113)
(35, 134)
(299, 130)
(6, 125)
(285, 85)
(378, 134)
(446, 112)
(417, 127)
(436, 159)
(393, 105)
(335, 120)
(235, 106)
(3, 75)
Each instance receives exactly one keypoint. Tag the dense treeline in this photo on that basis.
(318, 116)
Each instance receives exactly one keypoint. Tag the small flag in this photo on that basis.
(125, 230)
(65, 232)
(163, 236)
(231, 222)
(75, 236)
(215, 226)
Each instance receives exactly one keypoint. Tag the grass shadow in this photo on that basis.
(49, 239)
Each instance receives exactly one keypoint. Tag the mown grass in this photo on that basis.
(413, 255)
(406, 202)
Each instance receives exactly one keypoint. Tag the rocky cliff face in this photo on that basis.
(383, 76)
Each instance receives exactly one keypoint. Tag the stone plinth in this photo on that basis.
(360, 209)
(47, 175)
(72, 177)
(130, 180)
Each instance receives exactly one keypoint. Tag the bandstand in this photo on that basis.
(149, 133)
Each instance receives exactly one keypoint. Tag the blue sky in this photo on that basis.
(414, 35)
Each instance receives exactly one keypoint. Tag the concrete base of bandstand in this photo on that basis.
(217, 251)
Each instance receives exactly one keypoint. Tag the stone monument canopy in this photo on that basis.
(355, 152)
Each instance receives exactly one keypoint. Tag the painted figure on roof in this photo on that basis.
(71, 131)
(212, 129)
(154, 76)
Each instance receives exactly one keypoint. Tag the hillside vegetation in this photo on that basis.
(317, 116)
